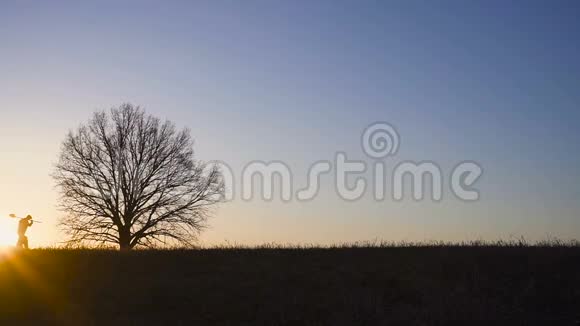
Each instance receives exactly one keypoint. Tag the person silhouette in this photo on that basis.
(23, 225)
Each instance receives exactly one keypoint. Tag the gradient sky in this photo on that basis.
(296, 81)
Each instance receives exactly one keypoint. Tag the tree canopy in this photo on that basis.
(126, 178)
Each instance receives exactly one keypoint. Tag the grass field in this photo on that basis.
(406, 285)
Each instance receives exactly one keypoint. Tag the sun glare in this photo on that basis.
(8, 235)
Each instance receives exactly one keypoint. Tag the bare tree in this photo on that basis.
(128, 179)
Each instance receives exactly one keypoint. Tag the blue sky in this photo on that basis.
(488, 81)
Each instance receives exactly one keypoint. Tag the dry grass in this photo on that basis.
(500, 283)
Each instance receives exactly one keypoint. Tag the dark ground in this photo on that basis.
(357, 286)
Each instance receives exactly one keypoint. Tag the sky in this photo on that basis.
(298, 81)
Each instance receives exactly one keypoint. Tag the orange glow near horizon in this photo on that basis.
(8, 235)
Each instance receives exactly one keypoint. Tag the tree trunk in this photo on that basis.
(124, 240)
